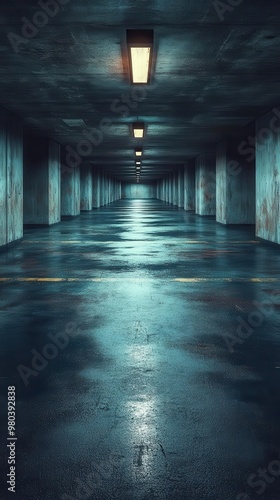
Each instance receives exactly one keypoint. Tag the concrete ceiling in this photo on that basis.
(210, 76)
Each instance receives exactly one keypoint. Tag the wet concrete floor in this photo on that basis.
(143, 342)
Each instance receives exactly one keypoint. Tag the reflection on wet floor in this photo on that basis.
(143, 342)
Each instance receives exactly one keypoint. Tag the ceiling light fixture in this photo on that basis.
(140, 49)
(138, 130)
(138, 152)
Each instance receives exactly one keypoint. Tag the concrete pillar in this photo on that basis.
(267, 176)
(109, 189)
(114, 189)
(11, 178)
(95, 188)
(235, 185)
(205, 183)
(70, 190)
(42, 181)
(102, 189)
(106, 189)
(175, 188)
(86, 187)
(189, 185)
(170, 188)
(181, 188)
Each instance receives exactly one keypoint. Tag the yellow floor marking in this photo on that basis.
(230, 280)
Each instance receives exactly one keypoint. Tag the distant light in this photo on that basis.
(138, 130)
(138, 152)
(138, 163)
(140, 44)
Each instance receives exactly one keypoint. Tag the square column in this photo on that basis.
(11, 178)
(181, 188)
(268, 176)
(70, 190)
(235, 183)
(189, 185)
(170, 188)
(205, 184)
(175, 188)
(86, 187)
(95, 188)
(42, 181)
(102, 189)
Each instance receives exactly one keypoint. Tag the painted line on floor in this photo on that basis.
(140, 280)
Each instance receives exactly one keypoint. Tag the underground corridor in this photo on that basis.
(143, 344)
(139, 250)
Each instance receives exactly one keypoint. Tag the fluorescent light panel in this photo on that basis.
(140, 63)
(140, 45)
(138, 152)
(138, 130)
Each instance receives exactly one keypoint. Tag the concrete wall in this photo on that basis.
(54, 183)
(181, 188)
(138, 190)
(42, 177)
(70, 190)
(268, 176)
(189, 186)
(86, 187)
(205, 184)
(96, 188)
(235, 184)
(11, 178)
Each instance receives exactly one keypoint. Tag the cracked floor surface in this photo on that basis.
(143, 342)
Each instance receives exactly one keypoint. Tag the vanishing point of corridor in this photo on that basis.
(143, 344)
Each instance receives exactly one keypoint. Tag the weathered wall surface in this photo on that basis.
(189, 186)
(138, 190)
(3, 178)
(95, 188)
(205, 184)
(268, 176)
(54, 182)
(70, 189)
(86, 187)
(42, 181)
(235, 184)
(11, 178)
